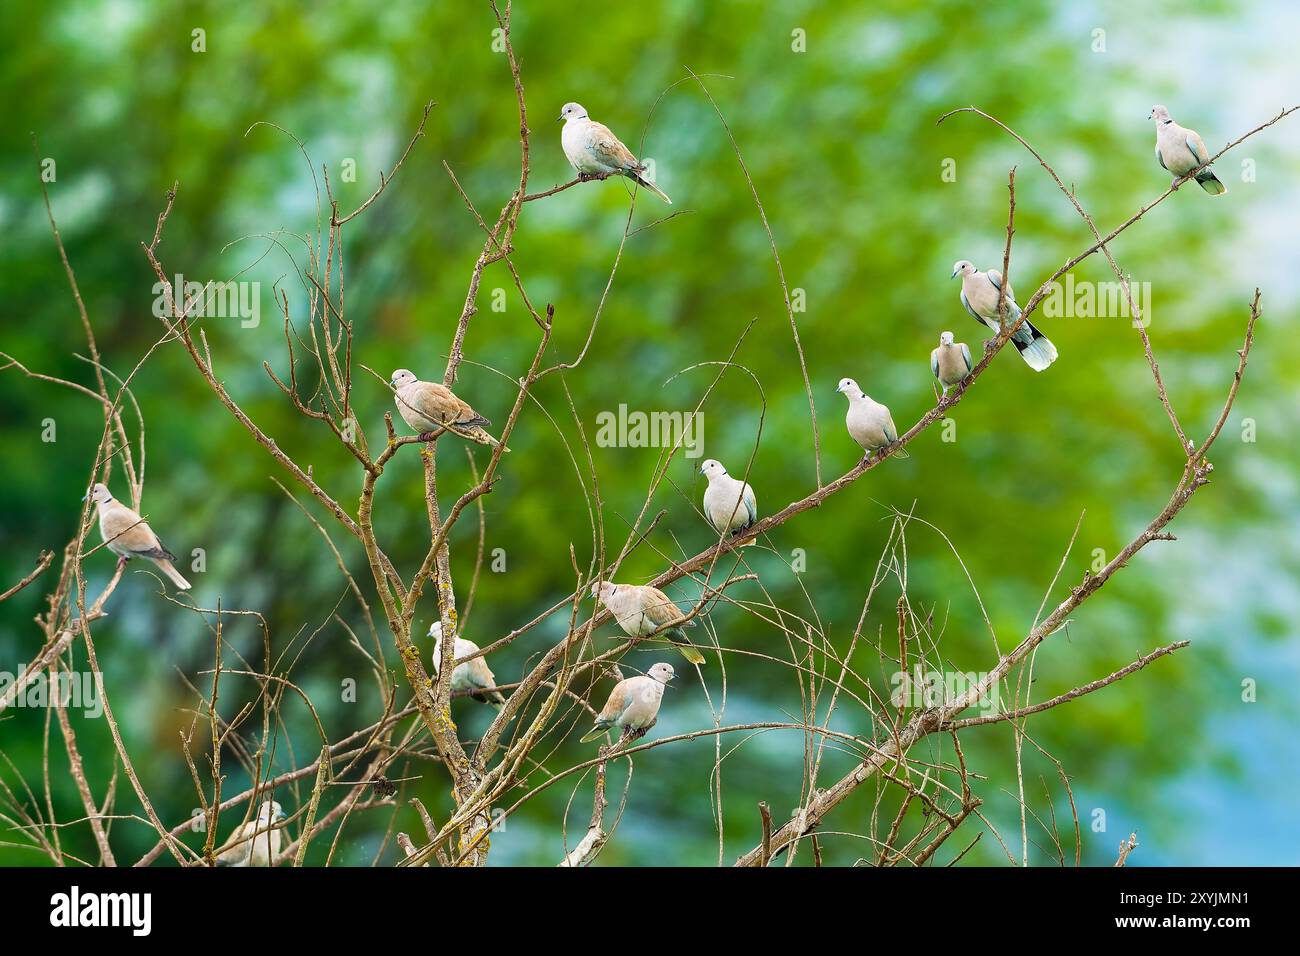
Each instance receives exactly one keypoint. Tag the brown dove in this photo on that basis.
(127, 535)
(429, 407)
(633, 704)
(642, 610)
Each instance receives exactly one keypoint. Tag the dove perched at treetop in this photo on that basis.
(633, 704)
(594, 151)
(428, 406)
(950, 362)
(728, 502)
(979, 294)
(642, 610)
(1180, 150)
(254, 842)
(472, 675)
(869, 423)
(128, 536)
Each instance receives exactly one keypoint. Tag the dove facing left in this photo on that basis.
(129, 536)
(593, 150)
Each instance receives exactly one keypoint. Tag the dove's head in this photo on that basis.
(663, 673)
(99, 494)
(435, 630)
(604, 589)
(945, 338)
(573, 111)
(712, 468)
(1159, 114)
(963, 267)
(403, 376)
(849, 388)
(269, 812)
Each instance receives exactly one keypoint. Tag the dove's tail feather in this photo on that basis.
(478, 421)
(166, 568)
(642, 181)
(1038, 353)
(1210, 183)
(683, 644)
(594, 733)
(483, 438)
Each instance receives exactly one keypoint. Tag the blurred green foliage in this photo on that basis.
(844, 150)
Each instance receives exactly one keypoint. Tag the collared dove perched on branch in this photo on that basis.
(729, 503)
(128, 536)
(979, 294)
(869, 423)
(473, 675)
(642, 610)
(254, 842)
(594, 151)
(1180, 150)
(950, 362)
(429, 407)
(633, 704)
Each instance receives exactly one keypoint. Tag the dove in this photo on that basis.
(979, 294)
(728, 502)
(869, 423)
(594, 151)
(128, 536)
(255, 842)
(633, 704)
(1180, 150)
(950, 362)
(428, 407)
(642, 610)
(472, 675)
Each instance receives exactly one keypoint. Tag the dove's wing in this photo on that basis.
(609, 149)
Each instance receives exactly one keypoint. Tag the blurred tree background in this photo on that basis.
(843, 147)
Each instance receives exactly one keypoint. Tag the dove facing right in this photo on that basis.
(255, 842)
(633, 704)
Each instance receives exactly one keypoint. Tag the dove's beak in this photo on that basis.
(85, 496)
(560, 118)
(954, 275)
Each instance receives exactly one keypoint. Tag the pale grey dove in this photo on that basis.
(128, 536)
(729, 503)
(950, 362)
(979, 295)
(594, 151)
(1180, 150)
(254, 842)
(473, 675)
(869, 423)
